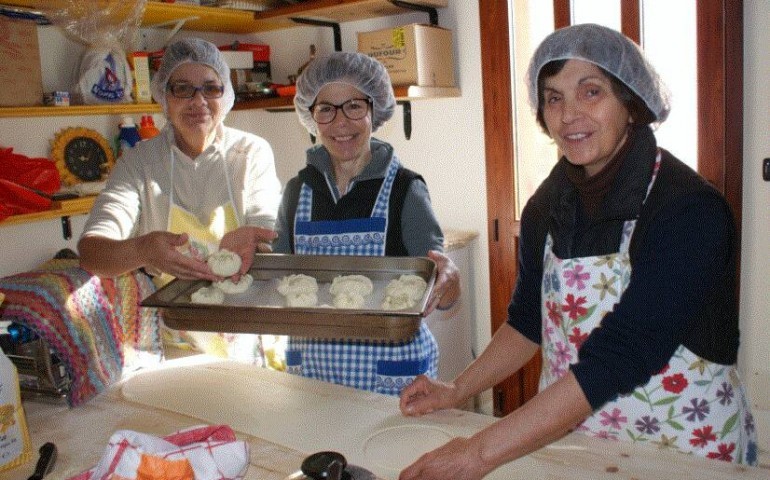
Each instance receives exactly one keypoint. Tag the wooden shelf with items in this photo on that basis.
(59, 209)
(228, 20)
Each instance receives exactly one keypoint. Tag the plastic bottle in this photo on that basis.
(128, 136)
(147, 128)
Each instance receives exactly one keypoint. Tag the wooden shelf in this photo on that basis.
(274, 103)
(112, 109)
(59, 209)
(227, 20)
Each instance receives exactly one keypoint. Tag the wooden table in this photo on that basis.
(278, 406)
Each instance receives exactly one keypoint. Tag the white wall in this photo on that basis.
(755, 262)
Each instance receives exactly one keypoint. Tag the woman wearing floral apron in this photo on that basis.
(355, 198)
(196, 187)
(627, 270)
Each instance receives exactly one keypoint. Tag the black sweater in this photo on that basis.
(683, 256)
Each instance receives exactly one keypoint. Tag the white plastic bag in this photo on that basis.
(107, 28)
(105, 77)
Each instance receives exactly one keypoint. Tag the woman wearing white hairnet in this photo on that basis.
(196, 187)
(626, 281)
(355, 186)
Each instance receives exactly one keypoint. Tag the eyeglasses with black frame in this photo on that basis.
(188, 90)
(354, 109)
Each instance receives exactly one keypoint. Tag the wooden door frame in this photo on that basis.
(720, 112)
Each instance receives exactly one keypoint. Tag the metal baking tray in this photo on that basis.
(261, 309)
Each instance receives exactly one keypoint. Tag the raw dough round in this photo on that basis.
(208, 295)
(297, 283)
(416, 285)
(224, 263)
(231, 288)
(351, 284)
(301, 299)
(404, 292)
(349, 300)
(398, 302)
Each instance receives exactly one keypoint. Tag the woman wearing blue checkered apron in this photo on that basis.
(355, 198)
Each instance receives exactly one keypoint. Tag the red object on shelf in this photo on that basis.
(286, 90)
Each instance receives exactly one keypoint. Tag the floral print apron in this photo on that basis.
(692, 405)
(375, 366)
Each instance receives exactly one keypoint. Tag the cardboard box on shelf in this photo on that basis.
(140, 69)
(20, 75)
(414, 54)
(260, 70)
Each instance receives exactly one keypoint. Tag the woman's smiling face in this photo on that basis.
(345, 139)
(194, 117)
(584, 116)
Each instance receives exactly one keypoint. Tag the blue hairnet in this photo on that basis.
(192, 50)
(366, 74)
(608, 49)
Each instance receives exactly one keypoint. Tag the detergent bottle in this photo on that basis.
(147, 128)
(128, 136)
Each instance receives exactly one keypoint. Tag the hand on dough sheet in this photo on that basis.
(446, 290)
(458, 458)
(160, 251)
(245, 241)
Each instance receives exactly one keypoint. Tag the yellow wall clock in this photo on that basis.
(81, 155)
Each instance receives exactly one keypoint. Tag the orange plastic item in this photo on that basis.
(147, 128)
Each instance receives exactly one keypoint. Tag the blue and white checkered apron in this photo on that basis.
(367, 365)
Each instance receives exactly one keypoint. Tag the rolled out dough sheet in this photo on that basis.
(302, 414)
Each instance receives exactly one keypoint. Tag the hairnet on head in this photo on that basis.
(366, 74)
(192, 50)
(608, 49)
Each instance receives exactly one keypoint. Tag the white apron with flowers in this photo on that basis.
(692, 405)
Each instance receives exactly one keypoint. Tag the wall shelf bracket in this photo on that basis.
(431, 11)
(321, 23)
(66, 227)
(407, 106)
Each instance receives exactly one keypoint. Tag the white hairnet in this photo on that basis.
(366, 74)
(608, 49)
(192, 50)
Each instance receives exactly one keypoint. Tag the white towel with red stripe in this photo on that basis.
(206, 452)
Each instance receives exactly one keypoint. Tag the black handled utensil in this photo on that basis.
(46, 461)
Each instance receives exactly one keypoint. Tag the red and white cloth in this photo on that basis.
(207, 452)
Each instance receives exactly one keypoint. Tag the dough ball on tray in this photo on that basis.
(404, 292)
(233, 288)
(297, 283)
(349, 300)
(351, 284)
(301, 299)
(208, 296)
(224, 263)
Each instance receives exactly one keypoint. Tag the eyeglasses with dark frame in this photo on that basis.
(354, 109)
(187, 90)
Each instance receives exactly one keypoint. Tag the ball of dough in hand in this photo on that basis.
(224, 263)
(232, 288)
(208, 295)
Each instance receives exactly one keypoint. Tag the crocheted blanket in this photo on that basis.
(94, 325)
